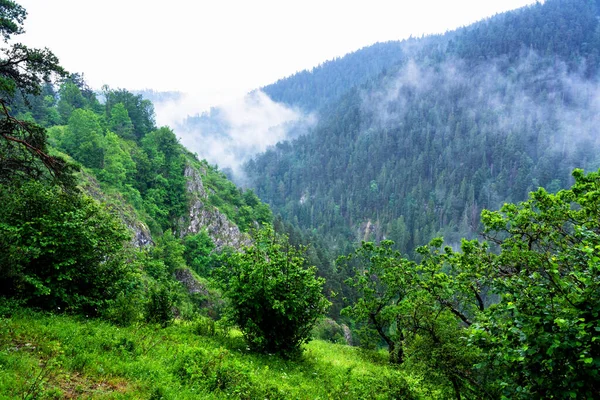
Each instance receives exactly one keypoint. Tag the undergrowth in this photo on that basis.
(46, 356)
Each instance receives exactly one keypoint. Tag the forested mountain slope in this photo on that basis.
(470, 120)
(310, 90)
(175, 310)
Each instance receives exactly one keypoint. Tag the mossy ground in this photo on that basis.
(46, 356)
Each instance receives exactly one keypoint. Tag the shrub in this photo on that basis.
(329, 330)
(59, 249)
(159, 309)
(273, 297)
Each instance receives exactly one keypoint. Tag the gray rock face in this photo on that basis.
(141, 234)
(194, 182)
(347, 334)
(223, 232)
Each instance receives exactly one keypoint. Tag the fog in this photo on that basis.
(232, 133)
(508, 98)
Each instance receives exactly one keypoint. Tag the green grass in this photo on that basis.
(47, 356)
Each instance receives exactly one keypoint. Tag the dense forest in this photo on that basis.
(464, 121)
(130, 268)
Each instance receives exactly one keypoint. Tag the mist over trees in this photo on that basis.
(466, 121)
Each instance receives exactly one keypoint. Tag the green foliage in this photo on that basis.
(160, 305)
(139, 111)
(71, 99)
(199, 254)
(119, 168)
(274, 298)
(12, 16)
(244, 208)
(412, 308)
(23, 147)
(543, 332)
(329, 330)
(84, 138)
(383, 281)
(163, 184)
(59, 250)
(169, 251)
(520, 323)
(120, 123)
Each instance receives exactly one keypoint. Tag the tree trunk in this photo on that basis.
(456, 388)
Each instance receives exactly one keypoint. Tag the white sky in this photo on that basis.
(221, 49)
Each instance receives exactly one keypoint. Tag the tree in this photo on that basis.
(119, 168)
(120, 123)
(84, 138)
(59, 249)
(274, 298)
(541, 338)
(162, 181)
(140, 111)
(382, 280)
(412, 308)
(12, 16)
(198, 252)
(71, 99)
(514, 318)
(23, 151)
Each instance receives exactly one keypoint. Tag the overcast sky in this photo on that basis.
(220, 49)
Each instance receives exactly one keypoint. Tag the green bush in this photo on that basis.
(160, 305)
(329, 330)
(274, 298)
(60, 250)
(198, 253)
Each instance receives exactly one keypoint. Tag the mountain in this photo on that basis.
(463, 121)
(311, 90)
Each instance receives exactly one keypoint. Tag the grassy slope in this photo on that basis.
(55, 356)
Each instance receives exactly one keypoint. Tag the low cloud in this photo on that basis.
(231, 134)
(532, 92)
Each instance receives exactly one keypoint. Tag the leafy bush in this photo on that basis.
(329, 330)
(60, 250)
(274, 298)
(197, 253)
(160, 305)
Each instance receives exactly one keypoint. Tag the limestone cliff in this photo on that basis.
(202, 215)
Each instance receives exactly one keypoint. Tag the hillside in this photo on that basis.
(472, 119)
(230, 134)
(45, 356)
(326, 83)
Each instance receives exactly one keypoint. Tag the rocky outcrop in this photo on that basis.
(203, 216)
(141, 234)
(369, 231)
(347, 334)
(209, 300)
(194, 182)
